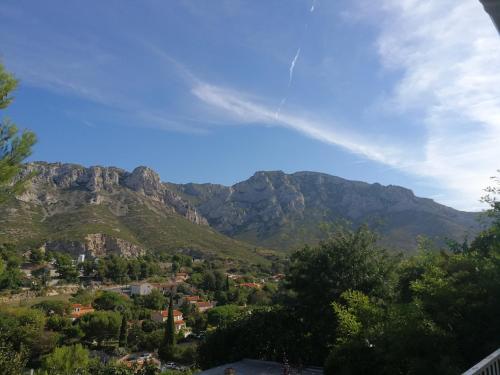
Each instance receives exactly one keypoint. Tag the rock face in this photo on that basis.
(104, 210)
(271, 209)
(277, 209)
(97, 245)
(99, 185)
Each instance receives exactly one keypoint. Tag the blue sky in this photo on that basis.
(400, 92)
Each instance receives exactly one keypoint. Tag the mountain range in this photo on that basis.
(98, 210)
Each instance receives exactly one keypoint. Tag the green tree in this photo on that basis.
(67, 360)
(83, 296)
(223, 315)
(101, 326)
(387, 339)
(12, 278)
(42, 275)
(37, 256)
(53, 307)
(23, 328)
(107, 300)
(168, 345)
(116, 269)
(349, 259)
(11, 361)
(123, 331)
(66, 268)
(154, 300)
(14, 148)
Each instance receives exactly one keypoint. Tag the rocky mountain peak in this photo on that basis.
(146, 181)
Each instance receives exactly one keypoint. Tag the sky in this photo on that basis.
(401, 92)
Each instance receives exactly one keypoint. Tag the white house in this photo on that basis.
(141, 289)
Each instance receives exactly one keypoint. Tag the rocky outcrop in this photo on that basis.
(97, 245)
(53, 183)
(272, 209)
(278, 205)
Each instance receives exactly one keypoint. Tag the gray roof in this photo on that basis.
(255, 367)
(493, 9)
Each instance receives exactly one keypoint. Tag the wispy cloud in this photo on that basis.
(449, 55)
(292, 66)
(249, 111)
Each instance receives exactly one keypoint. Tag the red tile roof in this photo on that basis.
(204, 304)
(82, 310)
(164, 313)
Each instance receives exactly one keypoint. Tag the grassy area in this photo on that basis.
(28, 302)
(125, 215)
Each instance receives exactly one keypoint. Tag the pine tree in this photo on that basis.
(123, 332)
(167, 347)
(170, 329)
(14, 147)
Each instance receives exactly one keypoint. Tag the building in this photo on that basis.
(250, 285)
(164, 287)
(78, 310)
(141, 289)
(81, 258)
(181, 277)
(162, 316)
(191, 299)
(204, 306)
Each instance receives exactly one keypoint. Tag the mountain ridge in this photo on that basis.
(302, 200)
(271, 209)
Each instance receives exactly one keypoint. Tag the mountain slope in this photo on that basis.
(72, 208)
(281, 210)
(100, 209)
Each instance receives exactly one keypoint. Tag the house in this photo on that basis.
(141, 289)
(180, 277)
(191, 299)
(78, 310)
(164, 287)
(162, 316)
(250, 285)
(204, 306)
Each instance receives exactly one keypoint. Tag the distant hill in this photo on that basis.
(100, 210)
(281, 210)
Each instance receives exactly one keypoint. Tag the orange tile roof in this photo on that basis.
(164, 313)
(83, 309)
(204, 304)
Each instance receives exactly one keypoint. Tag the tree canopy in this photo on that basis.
(14, 147)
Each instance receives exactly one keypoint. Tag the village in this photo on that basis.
(119, 308)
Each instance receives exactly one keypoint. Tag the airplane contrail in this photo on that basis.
(292, 67)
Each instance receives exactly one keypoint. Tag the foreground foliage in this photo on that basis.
(356, 309)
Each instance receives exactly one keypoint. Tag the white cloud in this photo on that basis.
(248, 110)
(449, 54)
